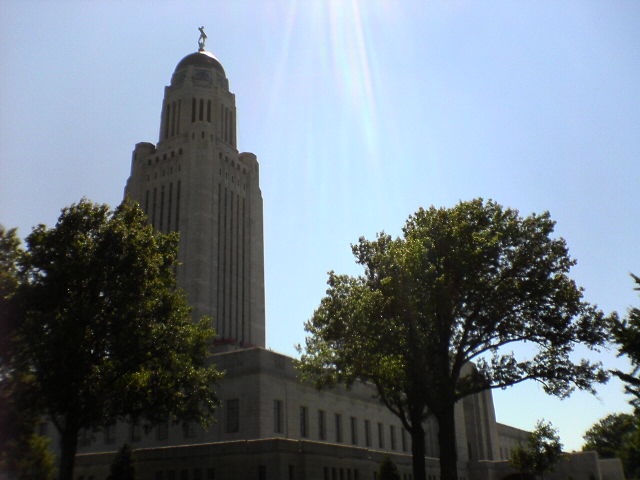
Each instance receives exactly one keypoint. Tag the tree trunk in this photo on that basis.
(417, 450)
(68, 448)
(447, 442)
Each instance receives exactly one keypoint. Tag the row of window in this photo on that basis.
(395, 441)
(186, 474)
(201, 110)
(164, 156)
(334, 473)
(159, 207)
(135, 434)
(353, 430)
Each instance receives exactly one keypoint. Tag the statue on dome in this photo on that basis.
(202, 39)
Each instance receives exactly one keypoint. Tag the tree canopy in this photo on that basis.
(617, 436)
(541, 453)
(627, 334)
(103, 332)
(437, 311)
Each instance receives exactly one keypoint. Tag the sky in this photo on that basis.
(360, 112)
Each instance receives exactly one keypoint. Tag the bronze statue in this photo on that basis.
(202, 39)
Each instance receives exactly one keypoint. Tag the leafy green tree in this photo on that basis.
(434, 316)
(105, 334)
(388, 470)
(122, 467)
(23, 453)
(617, 435)
(627, 334)
(607, 435)
(541, 453)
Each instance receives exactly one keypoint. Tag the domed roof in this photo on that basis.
(201, 58)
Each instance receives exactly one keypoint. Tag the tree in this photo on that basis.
(627, 334)
(607, 435)
(617, 436)
(541, 453)
(433, 318)
(105, 334)
(23, 453)
(122, 467)
(388, 470)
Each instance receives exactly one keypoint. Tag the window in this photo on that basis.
(367, 433)
(85, 437)
(187, 430)
(322, 425)
(110, 434)
(354, 431)
(233, 415)
(163, 431)
(380, 435)
(135, 432)
(338, 419)
(304, 420)
(277, 416)
(403, 437)
(392, 436)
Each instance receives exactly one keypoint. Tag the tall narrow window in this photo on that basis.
(233, 415)
(354, 431)
(392, 436)
(322, 425)
(178, 207)
(209, 111)
(226, 124)
(169, 206)
(135, 432)
(367, 433)
(162, 431)
(161, 207)
(178, 116)
(201, 112)
(193, 110)
(167, 113)
(173, 118)
(278, 416)
(110, 434)
(380, 435)
(304, 421)
(403, 438)
(153, 214)
(338, 419)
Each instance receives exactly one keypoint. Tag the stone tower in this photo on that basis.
(195, 182)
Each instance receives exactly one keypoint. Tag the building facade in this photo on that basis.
(194, 181)
(269, 425)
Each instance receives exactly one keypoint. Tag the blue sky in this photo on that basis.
(360, 112)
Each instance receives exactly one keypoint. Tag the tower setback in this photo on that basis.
(194, 181)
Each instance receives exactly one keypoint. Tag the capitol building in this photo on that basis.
(269, 425)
